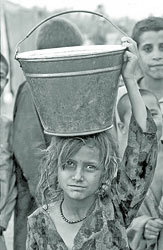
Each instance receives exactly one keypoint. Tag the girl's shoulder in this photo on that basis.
(38, 215)
(38, 212)
(41, 213)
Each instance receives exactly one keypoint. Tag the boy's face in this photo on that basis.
(122, 130)
(151, 103)
(151, 53)
(3, 76)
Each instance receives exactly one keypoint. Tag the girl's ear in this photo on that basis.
(122, 128)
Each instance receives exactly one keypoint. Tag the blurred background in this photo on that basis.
(18, 17)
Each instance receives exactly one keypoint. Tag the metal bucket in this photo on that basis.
(75, 88)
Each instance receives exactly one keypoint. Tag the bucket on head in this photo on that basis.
(74, 88)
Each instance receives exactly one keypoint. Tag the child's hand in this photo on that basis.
(152, 228)
(130, 59)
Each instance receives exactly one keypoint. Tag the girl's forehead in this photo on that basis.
(88, 148)
(87, 152)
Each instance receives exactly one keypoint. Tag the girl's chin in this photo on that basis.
(78, 196)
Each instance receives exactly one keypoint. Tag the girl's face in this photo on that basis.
(81, 175)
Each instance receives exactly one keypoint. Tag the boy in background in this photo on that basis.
(8, 190)
(148, 33)
(124, 114)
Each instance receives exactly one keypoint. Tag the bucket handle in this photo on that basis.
(63, 13)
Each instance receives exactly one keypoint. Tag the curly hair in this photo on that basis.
(59, 152)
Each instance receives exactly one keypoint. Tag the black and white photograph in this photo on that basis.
(81, 125)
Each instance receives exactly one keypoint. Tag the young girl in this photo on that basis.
(89, 197)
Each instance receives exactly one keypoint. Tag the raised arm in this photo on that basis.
(136, 171)
(128, 73)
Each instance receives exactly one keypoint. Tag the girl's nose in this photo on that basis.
(78, 174)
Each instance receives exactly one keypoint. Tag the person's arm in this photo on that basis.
(8, 209)
(128, 73)
(4, 185)
(147, 225)
(138, 237)
(28, 137)
(151, 228)
(136, 171)
(8, 190)
(135, 233)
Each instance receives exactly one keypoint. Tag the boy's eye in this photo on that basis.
(161, 46)
(154, 114)
(148, 48)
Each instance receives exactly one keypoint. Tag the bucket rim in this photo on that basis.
(70, 52)
(63, 134)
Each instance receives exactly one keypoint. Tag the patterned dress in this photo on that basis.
(105, 227)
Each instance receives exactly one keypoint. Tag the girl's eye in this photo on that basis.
(91, 167)
(69, 164)
(148, 48)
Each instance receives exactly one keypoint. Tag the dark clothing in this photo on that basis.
(28, 140)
